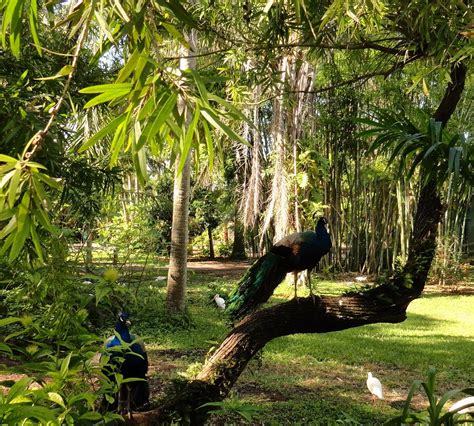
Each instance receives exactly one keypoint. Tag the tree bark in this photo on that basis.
(177, 272)
(212, 255)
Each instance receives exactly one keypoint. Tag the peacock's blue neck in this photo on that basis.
(321, 230)
(123, 331)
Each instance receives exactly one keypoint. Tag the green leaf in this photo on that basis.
(10, 226)
(5, 348)
(107, 96)
(36, 242)
(236, 114)
(6, 178)
(7, 244)
(103, 132)
(172, 30)
(21, 400)
(7, 159)
(18, 388)
(121, 11)
(106, 88)
(6, 214)
(209, 144)
(56, 398)
(139, 161)
(24, 412)
(23, 229)
(13, 19)
(219, 125)
(33, 18)
(43, 219)
(9, 320)
(413, 388)
(65, 70)
(65, 365)
(118, 141)
(160, 118)
(200, 85)
(179, 11)
(15, 180)
(104, 26)
(188, 139)
(101, 291)
(53, 183)
(127, 69)
(91, 416)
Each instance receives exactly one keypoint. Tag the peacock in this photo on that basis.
(296, 252)
(128, 357)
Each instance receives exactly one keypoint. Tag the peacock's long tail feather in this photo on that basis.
(256, 286)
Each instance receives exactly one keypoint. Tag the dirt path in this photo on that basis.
(219, 268)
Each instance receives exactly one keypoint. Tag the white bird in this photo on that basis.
(361, 279)
(375, 387)
(220, 302)
(463, 406)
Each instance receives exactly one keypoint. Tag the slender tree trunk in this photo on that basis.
(212, 255)
(177, 272)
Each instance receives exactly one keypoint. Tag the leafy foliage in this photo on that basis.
(437, 152)
(434, 414)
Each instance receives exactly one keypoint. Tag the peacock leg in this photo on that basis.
(310, 287)
(129, 403)
(295, 282)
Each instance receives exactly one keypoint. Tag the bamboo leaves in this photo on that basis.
(151, 114)
(24, 205)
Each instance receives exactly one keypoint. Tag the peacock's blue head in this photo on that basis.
(322, 222)
(121, 326)
(123, 317)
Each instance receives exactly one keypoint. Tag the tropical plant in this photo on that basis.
(56, 385)
(435, 414)
(438, 153)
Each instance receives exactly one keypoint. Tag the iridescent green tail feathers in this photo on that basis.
(256, 286)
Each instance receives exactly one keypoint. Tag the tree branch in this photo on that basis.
(35, 143)
(223, 368)
(363, 78)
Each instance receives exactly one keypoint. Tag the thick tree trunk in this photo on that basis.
(384, 304)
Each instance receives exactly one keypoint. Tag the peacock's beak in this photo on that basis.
(128, 323)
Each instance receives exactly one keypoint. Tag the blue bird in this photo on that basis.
(297, 252)
(129, 358)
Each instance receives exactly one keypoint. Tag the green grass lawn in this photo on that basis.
(318, 378)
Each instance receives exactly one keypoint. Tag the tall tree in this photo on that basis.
(177, 272)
